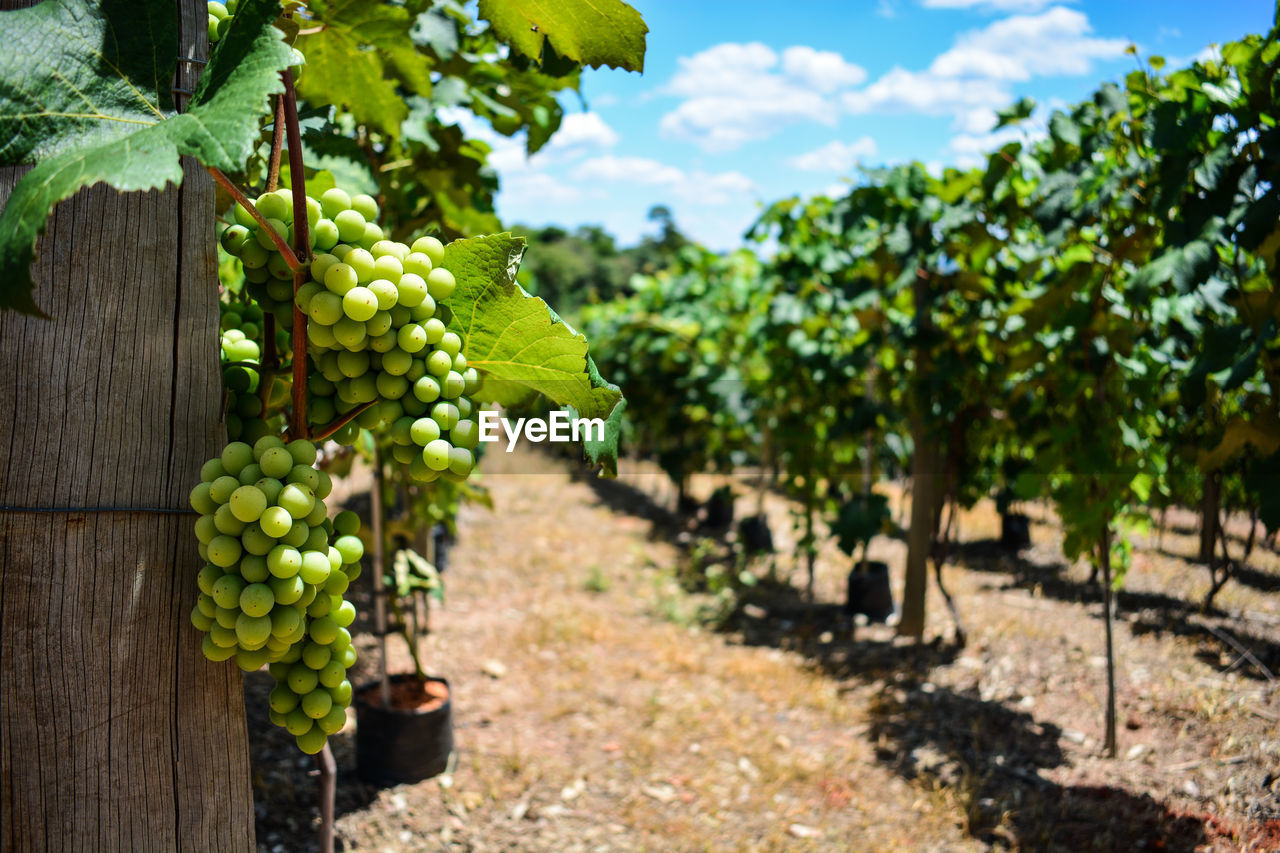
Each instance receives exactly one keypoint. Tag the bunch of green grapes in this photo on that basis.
(220, 18)
(268, 278)
(377, 332)
(272, 585)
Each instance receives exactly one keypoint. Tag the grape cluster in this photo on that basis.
(377, 333)
(220, 18)
(275, 571)
(268, 278)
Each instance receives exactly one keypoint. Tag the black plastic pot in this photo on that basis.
(755, 535)
(1015, 531)
(394, 746)
(869, 591)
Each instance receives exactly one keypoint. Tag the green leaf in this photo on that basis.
(590, 32)
(123, 131)
(358, 55)
(520, 345)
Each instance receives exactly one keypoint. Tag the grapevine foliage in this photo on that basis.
(106, 113)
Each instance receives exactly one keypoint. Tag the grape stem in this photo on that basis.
(302, 245)
(339, 423)
(277, 139)
(281, 246)
(270, 360)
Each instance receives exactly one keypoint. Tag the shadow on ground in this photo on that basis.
(1222, 636)
(990, 756)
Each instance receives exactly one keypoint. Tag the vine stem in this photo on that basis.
(281, 246)
(302, 245)
(339, 423)
(277, 139)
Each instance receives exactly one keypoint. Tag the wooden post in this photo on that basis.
(115, 732)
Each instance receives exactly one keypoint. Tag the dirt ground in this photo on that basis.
(596, 710)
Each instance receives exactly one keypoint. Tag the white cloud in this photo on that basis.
(901, 90)
(583, 130)
(699, 187)
(989, 5)
(735, 93)
(538, 187)
(824, 70)
(835, 156)
(1021, 46)
(973, 78)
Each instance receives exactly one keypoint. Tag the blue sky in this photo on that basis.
(747, 102)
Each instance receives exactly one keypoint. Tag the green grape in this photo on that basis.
(386, 265)
(253, 629)
(391, 387)
(334, 721)
(224, 551)
(222, 636)
(284, 561)
(431, 247)
(263, 235)
(251, 661)
(214, 652)
(326, 234)
(351, 226)
(453, 385)
(439, 363)
(316, 703)
(270, 487)
(311, 741)
(385, 293)
(348, 332)
(360, 304)
(337, 583)
(276, 462)
(353, 364)
(372, 234)
(346, 523)
(344, 615)
(365, 206)
(436, 454)
(257, 599)
(273, 206)
(445, 414)
(334, 201)
(297, 723)
(305, 475)
(247, 503)
(316, 656)
(460, 461)
(427, 389)
(281, 699)
(286, 590)
(418, 264)
(276, 521)
(212, 470)
(226, 617)
(452, 344)
(435, 330)
(255, 542)
(206, 529)
(441, 284)
(342, 693)
(226, 591)
(200, 620)
(302, 679)
(315, 567)
(253, 568)
(206, 578)
(424, 431)
(220, 489)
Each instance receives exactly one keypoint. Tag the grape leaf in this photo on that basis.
(99, 108)
(590, 32)
(355, 56)
(520, 345)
